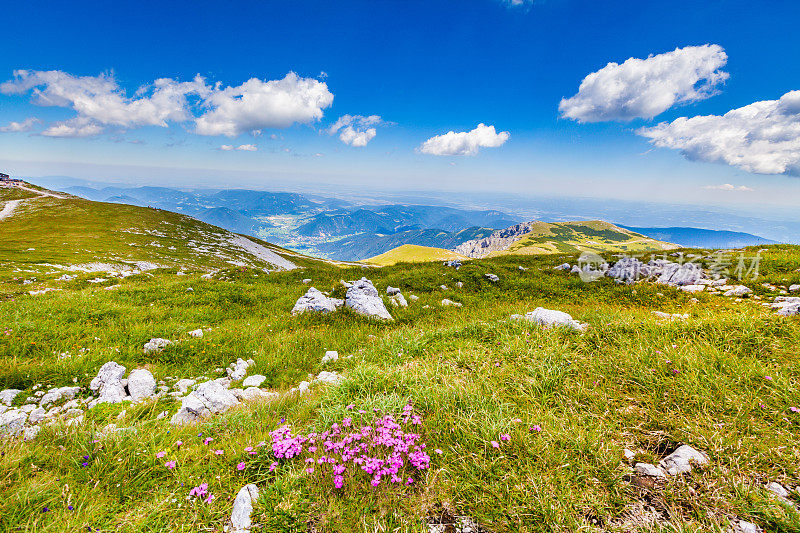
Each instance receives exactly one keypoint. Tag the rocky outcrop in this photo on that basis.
(681, 460)
(315, 302)
(497, 241)
(363, 298)
(7, 396)
(57, 394)
(238, 370)
(254, 381)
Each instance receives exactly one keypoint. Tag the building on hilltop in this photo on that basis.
(6, 180)
(4, 177)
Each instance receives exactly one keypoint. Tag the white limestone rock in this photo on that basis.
(681, 460)
(738, 291)
(253, 394)
(141, 384)
(315, 302)
(196, 333)
(777, 489)
(363, 298)
(183, 385)
(243, 508)
(562, 266)
(492, 277)
(676, 274)
(254, 381)
(646, 469)
(238, 370)
(30, 432)
(156, 345)
(392, 290)
(7, 396)
(12, 422)
(794, 288)
(108, 383)
(398, 300)
(330, 355)
(211, 397)
(60, 393)
(451, 303)
(550, 317)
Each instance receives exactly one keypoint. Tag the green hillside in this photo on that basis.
(525, 429)
(412, 253)
(583, 236)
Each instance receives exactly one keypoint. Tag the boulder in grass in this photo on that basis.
(646, 469)
(254, 381)
(196, 333)
(243, 509)
(681, 460)
(363, 298)
(398, 300)
(451, 303)
(7, 396)
(108, 383)
(156, 345)
(550, 318)
(57, 394)
(562, 266)
(314, 301)
(738, 291)
(141, 384)
(492, 277)
(12, 422)
(211, 397)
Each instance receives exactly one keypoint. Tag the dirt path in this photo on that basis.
(8, 208)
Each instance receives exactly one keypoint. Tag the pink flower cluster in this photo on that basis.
(385, 450)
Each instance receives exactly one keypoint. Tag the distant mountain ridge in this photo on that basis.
(538, 237)
(702, 238)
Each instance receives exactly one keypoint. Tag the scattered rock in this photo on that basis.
(562, 266)
(183, 384)
(306, 281)
(794, 288)
(330, 355)
(392, 290)
(238, 370)
(492, 277)
(211, 397)
(196, 333)
(738, 291)
(363, 298)
(447, 303)
(681, 274)
(673, 316)
(398, 300)
(743, 526)
(680, 461)
(778, 489)
(243, 508)
(254, 381)
(30, 432)
(413, 297)
(550, 317)
(7, 396)
(692, 288)
(141, 384)
(12, 422)
(156, 345)
(108, 383)
(459, 284)
(252, 394)
(316, 302)
(646, 469)
(60, 393)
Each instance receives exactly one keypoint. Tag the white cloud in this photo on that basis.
(241, 147)
(518, 3)
(728, 187)
(355, 130)
(258, 104)
(644, 88)
(76, 127)
(763, 137)
(17, 127)
(99, 101)
(464, 142)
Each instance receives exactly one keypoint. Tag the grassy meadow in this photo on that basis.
(723, 381)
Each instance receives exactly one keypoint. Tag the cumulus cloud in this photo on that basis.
(258, 104)
(355, 130)
(17, 127)
(762, 138)
(728, 187)
(644, 88)
(100, 102)
(464, 142)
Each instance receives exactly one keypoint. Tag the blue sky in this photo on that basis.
(409, 72)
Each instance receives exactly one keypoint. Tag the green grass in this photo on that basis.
(630, 381)
(413, 253)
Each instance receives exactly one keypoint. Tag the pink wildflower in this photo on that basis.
(768, 378)
(273, 466)
(170, 464)
(179, 443)
(794, 409)
(495, 444)
(536, 427)
(505, 437)
(207, 441)
(240, 466)
(218, 452)
(159, 455)
(437, 451)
